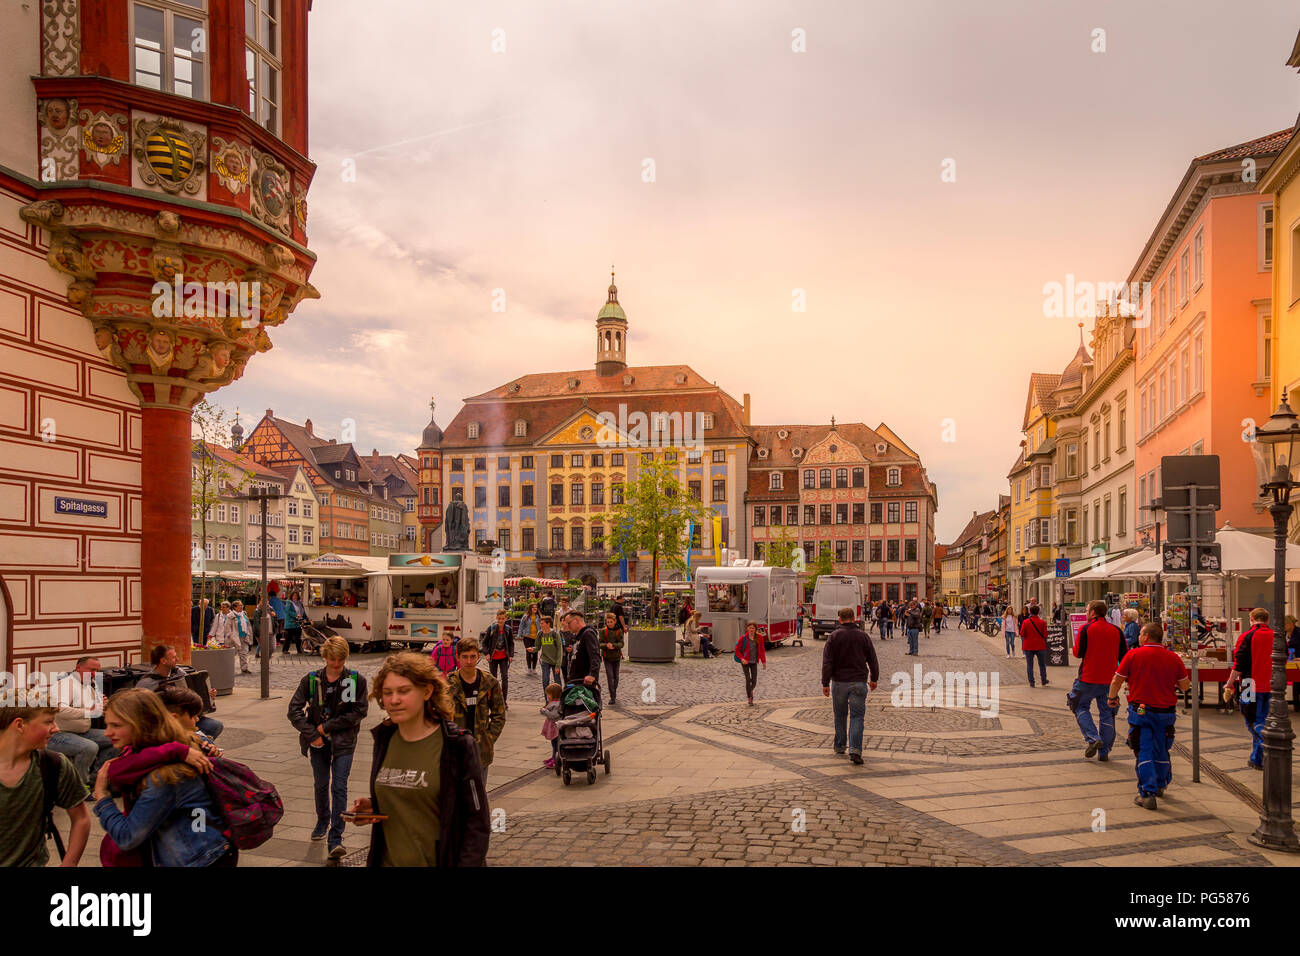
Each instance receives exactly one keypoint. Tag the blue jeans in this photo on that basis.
(86, 750)
(1087, 694)
(329, 772)
(849, 702)
(1029, 664)
(799, 628)
(551, 674)
(1153, 770)
(1010, 638)
(210, 726)
(912, 635)
(1254, 723)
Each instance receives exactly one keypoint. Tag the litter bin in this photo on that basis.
(219, 665)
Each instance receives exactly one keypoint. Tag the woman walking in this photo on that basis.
(164, 804)
(1009, 628)
(294, 615)
(611, 652)
(530, 629)
(1132, 630)
(750, 653)
(427, 802)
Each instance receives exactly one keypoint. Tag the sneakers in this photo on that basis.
(1160, 792)
(550, 763)
(1146, 803)
(857, 759)
(1046, 682)
(318, 834)
(839, 753)
(338, 851)
(1091, 751)
(1254, 766)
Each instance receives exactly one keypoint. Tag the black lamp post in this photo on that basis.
(1274, 449)
(1156, 507)
(1024, 583)
(264, 495)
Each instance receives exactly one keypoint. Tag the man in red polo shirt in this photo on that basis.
(1033, 641)
(1155, 674)
(1252, 662)
(1097, 648)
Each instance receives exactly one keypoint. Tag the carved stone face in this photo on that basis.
(160, 342)
(220, 357)
(101, 134)
(56, 114)
(103, 338)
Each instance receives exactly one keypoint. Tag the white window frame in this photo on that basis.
(264, 57)
(234, 551)
(170, 9)
(774, 482)
(1184, 277)
(1198, 363)
(1198, 258)
(221, 551)
(1265, 236)
(1264, 358)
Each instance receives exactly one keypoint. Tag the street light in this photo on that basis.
(1274, 450)
(263, 639)
(1156, 507)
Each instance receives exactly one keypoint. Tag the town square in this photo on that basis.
(539, 435)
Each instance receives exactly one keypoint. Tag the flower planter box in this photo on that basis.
(652, 645)
(220, 665)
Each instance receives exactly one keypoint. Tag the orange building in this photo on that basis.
(1204, 344)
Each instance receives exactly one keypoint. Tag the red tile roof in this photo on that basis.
(242, 461)
(556, 384)
(805, 437)
(913, 478)
(1269, 145)
(1041, 386)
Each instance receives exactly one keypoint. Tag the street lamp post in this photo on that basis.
(1274, 449)
(1024, 583)
(264, 495)
(1061, 545)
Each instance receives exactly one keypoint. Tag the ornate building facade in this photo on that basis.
(152, 235)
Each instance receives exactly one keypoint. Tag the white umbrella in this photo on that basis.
(1138, 564)
(1246, 553)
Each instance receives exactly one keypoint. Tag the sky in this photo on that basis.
(912, 175)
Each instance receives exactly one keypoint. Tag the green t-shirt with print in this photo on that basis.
(407, 786)
(550, 648)
(22, 842)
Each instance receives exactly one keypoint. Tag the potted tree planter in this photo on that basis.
(653, 519)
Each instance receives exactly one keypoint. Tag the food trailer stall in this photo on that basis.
(727, 598)
(338, 596)
(427, 594)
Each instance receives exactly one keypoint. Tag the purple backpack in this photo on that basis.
(251, 806)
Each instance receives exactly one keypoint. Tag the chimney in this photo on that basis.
(746, 406)
(307, 425)
(270, 413)
(374, 457)
(332, 441)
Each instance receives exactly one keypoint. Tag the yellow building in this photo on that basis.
(1031, 533)
(1283, 181)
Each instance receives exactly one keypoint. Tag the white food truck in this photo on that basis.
(375, 602)
(727, 598)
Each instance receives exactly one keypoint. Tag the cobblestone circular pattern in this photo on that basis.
(1047, 731)
(885, 717)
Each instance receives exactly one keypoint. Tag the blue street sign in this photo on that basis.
(1062, 567)
(81, 506)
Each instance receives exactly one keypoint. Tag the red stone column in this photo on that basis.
(165, 550)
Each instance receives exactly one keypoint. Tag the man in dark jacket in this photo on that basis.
(201, 616)
(464, 822)
(547, 607)
(585, 664)
(327, 710)
(849, 667)
(499, 648)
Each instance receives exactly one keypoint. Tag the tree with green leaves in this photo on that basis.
(783, 550)
(653, 519)
(212, 476)
(824, 563)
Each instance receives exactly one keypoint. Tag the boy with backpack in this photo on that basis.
(327, 710)
(33, 781)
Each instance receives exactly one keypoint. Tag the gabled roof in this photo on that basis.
(1020, 462)
(391, 471)
(241, 461)
(647, 378)
(912, 477)
(1041, 386)
(781, 450)
(1263, 146)
(974, 528)
(892, 437)
(1295, 54)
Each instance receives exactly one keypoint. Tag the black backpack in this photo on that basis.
(51, 766)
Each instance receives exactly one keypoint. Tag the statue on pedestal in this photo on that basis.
(456, 522)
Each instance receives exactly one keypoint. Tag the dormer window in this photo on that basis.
(707, 420)
(515, 387)
(680, 378)
(774, 482)
(783, 434)
(471, 431)
(574, 382)
(521, 428)
(797, 452)
(881, 448)
(762, 453)
(894, 477)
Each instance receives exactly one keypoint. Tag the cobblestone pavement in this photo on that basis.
(701, 778)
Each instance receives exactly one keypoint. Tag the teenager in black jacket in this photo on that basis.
(422, 761)
(327, 710)
(584, 667)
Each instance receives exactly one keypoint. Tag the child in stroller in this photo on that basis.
(580, 740)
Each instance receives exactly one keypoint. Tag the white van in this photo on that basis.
(831, 593)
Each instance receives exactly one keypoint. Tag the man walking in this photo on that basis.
(1155, 674)
(584, 665)
(499, 646)
(849, 668)
(478, 703)
(1252, 661)
(1097, 648)
(1033, 641)
(912, 619)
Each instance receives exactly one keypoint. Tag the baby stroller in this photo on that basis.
(313, 636)
(581, 741)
